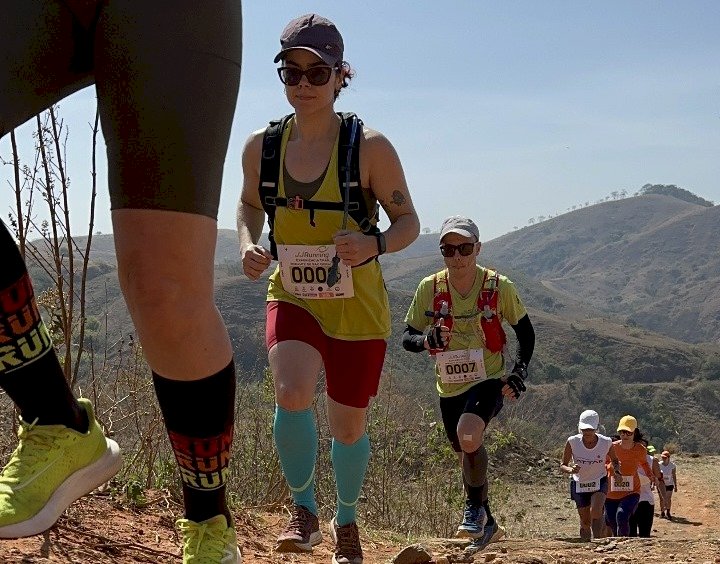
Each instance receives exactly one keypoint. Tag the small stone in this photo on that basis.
(414, 554)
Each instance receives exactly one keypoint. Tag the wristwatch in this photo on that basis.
(381, 247)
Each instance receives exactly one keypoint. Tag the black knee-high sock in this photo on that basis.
(199, 417)
(30, 372)
(486, 505)
(475, 476)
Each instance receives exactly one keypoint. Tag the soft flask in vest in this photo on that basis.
(492, 330)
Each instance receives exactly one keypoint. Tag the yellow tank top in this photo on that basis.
(364, 316)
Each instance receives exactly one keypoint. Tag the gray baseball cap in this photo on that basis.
(460, 225)
(315, 34)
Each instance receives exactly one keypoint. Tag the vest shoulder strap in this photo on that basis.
(488, 296)
(348, 152)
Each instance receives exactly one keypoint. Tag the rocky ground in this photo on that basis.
(96, 530)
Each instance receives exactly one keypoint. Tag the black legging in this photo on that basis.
(641, 521)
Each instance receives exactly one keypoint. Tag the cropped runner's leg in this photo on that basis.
(37, 47)
(166, 104)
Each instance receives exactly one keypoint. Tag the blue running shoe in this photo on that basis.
(489, 531)
(474, 520)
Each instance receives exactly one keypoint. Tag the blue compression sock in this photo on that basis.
(296, 441)
(350, 463)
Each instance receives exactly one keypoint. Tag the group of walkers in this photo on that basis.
(613, 480)
(320, 178)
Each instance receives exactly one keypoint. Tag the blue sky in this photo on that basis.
(503, 111)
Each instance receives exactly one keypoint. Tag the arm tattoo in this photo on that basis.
(398, 198)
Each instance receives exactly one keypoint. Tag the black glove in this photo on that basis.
(434, 339)
(516, 379)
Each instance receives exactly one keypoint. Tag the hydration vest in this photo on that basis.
(348, 147)
(487, 303)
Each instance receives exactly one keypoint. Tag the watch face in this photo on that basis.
(380, 243)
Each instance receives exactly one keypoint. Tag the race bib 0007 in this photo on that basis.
(304, 271)
(458, 367)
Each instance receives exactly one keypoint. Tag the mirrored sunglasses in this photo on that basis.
(317, 76)
(448, 250)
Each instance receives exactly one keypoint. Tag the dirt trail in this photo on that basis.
(95, 531)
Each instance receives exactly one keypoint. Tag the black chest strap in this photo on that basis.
(270, 167)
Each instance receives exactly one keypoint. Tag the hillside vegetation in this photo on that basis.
(624, 296)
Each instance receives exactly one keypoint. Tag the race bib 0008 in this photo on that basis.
(305, 269)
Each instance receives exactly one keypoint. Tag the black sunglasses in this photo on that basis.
(317, 76)
(448, 250)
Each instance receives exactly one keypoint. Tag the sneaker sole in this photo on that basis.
(290, 545)
(463, 534)
(76, 485)
(480, 543)
(500, 533)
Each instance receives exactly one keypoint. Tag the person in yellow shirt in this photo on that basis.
(319, 176)
(456, 316)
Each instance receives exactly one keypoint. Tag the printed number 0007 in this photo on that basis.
(461, 368)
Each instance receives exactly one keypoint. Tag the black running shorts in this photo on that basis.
(484, 399)
(166, 72)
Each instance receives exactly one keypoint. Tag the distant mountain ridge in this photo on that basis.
(651, 260)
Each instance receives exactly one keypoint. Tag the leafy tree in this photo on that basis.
(675, 192)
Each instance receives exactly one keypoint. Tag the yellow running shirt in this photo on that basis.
(364, 316)
(466, 331)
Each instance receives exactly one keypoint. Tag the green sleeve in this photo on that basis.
(511, 306)
(422, 301)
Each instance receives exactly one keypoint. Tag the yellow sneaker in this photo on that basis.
(51, 467)
(209, 542)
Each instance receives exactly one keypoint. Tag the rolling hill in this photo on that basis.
(624, 295)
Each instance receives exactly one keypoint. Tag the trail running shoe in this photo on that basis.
(51, 467)
(209, 542)
(347, 543)
(489, 531)
(499, 533)
(301, 533)
(474, 521)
